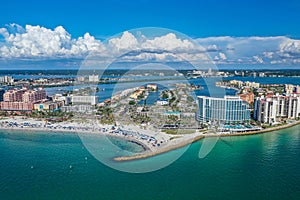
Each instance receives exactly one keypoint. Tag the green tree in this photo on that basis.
(131, 102)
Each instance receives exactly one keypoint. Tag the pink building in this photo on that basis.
(13, 95)
(34, 95)
(22, 99)
(16, 106)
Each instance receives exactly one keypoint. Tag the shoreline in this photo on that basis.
(78, 132)
(197, 138)
(271, 129)
(149, 151)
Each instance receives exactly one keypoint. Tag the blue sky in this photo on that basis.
(197, 18)
(253, 33)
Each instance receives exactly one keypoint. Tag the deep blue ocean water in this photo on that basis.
(37, 166)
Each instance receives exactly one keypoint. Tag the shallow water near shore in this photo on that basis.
(37, 166)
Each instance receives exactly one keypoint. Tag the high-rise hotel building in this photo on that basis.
(227, 110)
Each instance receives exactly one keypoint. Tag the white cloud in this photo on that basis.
(212, 48)
(37, 42)
(258, 59)
(222, 56)
(266, 50)
(296, 61)
(268, 54)
(86, 44)
(40, 42)
(290, 46)
(215, 39)
(167, 47)
(145, 56)
(170, 42)
(126, 42)
(4, 32)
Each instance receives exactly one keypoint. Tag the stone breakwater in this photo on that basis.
(189, 141)
(160, 151)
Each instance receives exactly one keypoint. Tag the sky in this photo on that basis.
(248, 32)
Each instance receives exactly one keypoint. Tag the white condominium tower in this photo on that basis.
(273, 108)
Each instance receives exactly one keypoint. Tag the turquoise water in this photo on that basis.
(37, 166)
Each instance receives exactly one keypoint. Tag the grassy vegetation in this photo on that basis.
(106, 115)
(174, 137)
(178, 131)
(190, 99)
